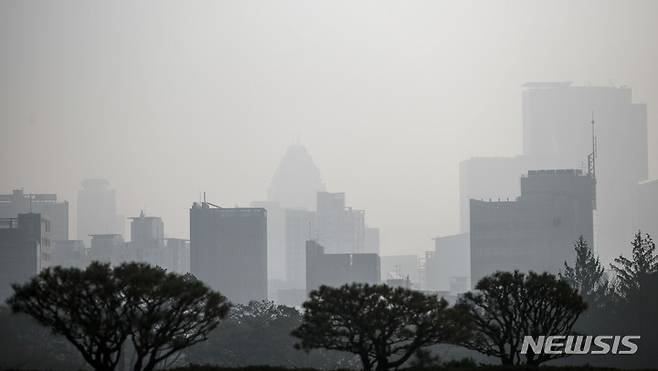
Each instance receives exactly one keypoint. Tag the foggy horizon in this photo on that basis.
(168, 101)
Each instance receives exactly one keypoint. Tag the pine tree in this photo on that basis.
(587, 275)
(630, 271)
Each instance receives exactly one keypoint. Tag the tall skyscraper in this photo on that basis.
(296, 181)
(537, 231)
(57, 213)
(25, 243)
(557, 134)
(228, 250)
(97, 210)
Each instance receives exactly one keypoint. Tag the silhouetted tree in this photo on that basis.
(168, 312)
(99, 308)
(83, 306)
(587, 275)
(508, 306)
(629, 272)
(382, 325)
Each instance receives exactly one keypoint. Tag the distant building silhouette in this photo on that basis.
(97, 211)
(338, 269)
(25, 244)
(372, 241)
(536, 231)
(228, 250)
(147, 242)
(108, 248)
(276, 239)
(69, 253)
(57, 213)
(296, 180)
(557, 133)
(180, 254)
(341, 229)
(488, 178)
(301, 226)
(338, 228)
(449, 265)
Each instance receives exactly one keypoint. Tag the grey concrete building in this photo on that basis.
(338, 269)
(57, 213)
(536, 231)
(25, 248)
(228, 250)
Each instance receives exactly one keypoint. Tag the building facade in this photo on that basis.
(97, 210)
(338, 269)
(57, 213)
(25, 248)
(228, 250)
(537, 231)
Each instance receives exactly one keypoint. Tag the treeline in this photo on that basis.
(139, 317)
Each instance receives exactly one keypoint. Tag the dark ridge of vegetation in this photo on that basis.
(448, 366)
(152, 319)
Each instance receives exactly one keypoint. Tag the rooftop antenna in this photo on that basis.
(591, 162)
(591, 158)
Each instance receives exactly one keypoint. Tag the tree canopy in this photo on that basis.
(383, 326)
(97, 309)
(507, 306)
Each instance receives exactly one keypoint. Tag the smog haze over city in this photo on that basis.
(169, 99)
(324, 185)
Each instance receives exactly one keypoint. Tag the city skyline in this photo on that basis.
(411, 84)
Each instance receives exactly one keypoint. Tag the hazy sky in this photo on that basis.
(169, 99)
